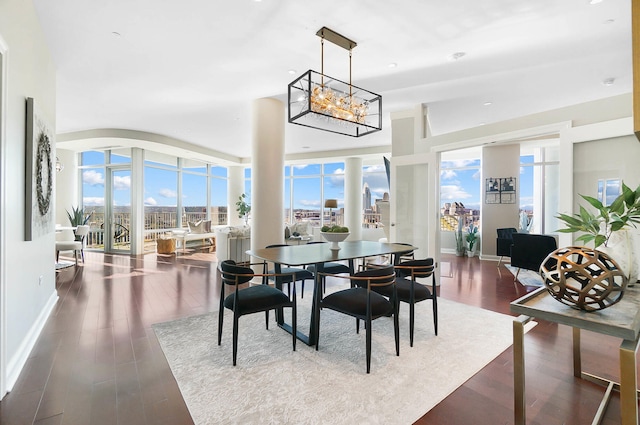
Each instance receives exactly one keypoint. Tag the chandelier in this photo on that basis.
(319, 101)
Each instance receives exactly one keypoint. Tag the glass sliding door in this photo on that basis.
(117, 226)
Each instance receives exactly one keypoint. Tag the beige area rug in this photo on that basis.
(274, 385)
(526, 277)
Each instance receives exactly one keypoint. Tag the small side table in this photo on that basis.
(621, 320)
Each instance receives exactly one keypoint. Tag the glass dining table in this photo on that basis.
(318, 254)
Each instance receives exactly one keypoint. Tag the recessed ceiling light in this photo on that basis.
(608, 81)
(305, 147)
(116, 33)
(457, 55)
(488, 103)
(482, 123)
(393, 65)
(595, 1)
(609, 21)
(292, 71)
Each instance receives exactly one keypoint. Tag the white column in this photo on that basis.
(353, 197)
(235, 188)
(267, 180)
(137, 201)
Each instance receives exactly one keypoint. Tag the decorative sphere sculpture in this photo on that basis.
(583, 278)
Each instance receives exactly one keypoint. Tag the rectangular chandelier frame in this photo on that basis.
(319, 101)
(304, 111)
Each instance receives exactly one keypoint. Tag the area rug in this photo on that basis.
(274, 385)
(64, 264)
(526, 277)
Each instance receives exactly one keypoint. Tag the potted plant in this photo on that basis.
(243, 208)
(77, 216)
(604, 228)
(472, 237)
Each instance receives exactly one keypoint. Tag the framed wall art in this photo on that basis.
(39, 167)
(500, 190)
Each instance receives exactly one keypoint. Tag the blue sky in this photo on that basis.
(460, 182)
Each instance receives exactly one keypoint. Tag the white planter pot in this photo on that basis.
(623, 247)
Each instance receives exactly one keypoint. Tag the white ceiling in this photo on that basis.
(190, 69)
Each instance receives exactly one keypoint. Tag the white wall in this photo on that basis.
(498, 162)
(30, 73)
(66, 186)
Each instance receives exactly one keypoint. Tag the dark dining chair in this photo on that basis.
(411, 292)
(299, 273)
(330, 267)
(252, 299)
(364, 303)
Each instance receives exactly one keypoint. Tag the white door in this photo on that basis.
(415, 203)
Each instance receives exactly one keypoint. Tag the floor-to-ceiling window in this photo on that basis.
(374, 186)
(307, 186)
(219, 212)
(539, 168)
(92, 178)
(160, 196)
(460, 189)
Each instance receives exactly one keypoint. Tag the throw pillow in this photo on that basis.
(196, 226)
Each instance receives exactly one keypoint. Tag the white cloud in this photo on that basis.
(121, 183)
(310, 203)
(93, 178)
(374, 169)
(168, 193)
(448, 174)
(150, 201)
(93, 201)
(453, 193)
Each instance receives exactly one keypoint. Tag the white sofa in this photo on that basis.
(232, 242)
(183, 236)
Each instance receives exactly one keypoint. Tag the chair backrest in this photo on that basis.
(416, 268)
(381, 276)
(65, 235)
(530, 250)
(232, 274)
(82, 230)
(506, 233)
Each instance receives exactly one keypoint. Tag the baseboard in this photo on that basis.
(17, 362)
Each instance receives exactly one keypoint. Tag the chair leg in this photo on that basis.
(266, 319)
(294, 323)
(82, 254)
(75, 254)
(515, 278)
(318, 328)
(412, 308)
(500, 260)
(368, 324)
(235, 337)
(302, 296)
(57, 256)
(220, 318)
(435, 313)
(396, 327)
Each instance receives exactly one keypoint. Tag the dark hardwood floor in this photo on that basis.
(98, 361)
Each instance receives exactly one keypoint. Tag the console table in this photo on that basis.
(621, 320)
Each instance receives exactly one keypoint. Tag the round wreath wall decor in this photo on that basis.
(44, 182)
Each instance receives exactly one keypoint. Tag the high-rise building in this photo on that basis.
(366, 197)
